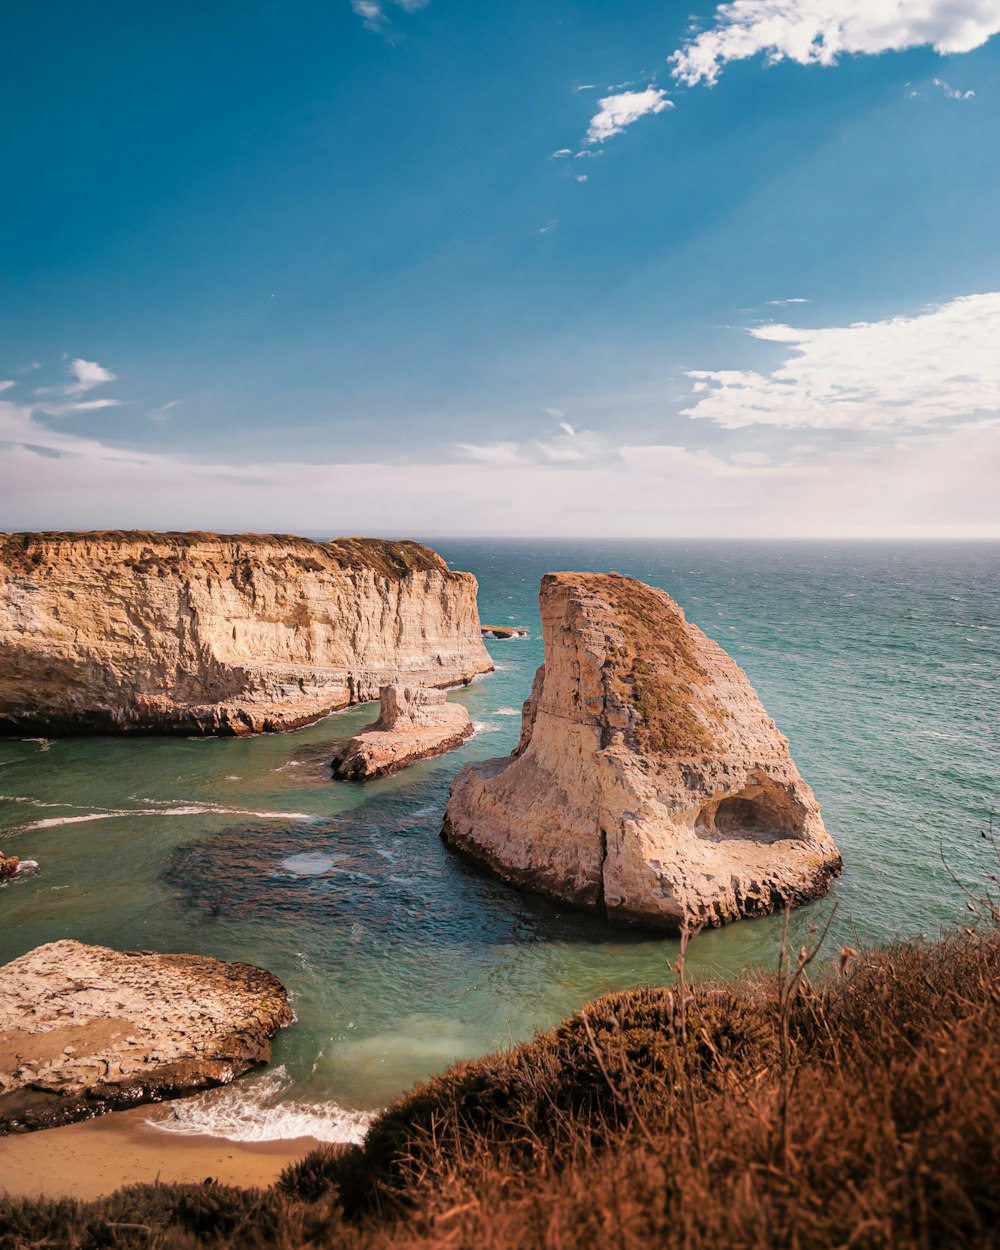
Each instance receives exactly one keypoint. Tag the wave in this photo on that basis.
(507, 711)
(117, 813)
(252, 1111)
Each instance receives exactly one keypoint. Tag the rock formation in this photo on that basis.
(503, 632)
(204, 633)
(413, 724)
(649, 783)
(8, 866)
(86, 1029)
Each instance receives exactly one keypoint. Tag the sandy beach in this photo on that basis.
(96, 1157)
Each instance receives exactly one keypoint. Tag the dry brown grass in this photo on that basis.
(656, 669)
(862, 1111)
(390, 559)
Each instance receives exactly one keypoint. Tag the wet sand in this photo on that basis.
(96, 1157)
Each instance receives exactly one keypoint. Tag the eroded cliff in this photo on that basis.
(413, 724)
(211, 633)
(649, 782)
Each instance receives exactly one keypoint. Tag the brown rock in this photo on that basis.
(649, 783)
(86, 1029)
(211, 633)
(414, 724)
(8, 866)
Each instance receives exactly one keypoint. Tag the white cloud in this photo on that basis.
(942, 365)
(821, 31)
(557, 155)
(795, 299)
(373, 14)
(88, 374)
(618, 111)
(567, 428)
(582, 177)
(942, 484)
(86, 405)
(952, 92)
(6, 385)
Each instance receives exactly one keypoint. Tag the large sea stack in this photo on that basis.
(210, 633)
(649, 783)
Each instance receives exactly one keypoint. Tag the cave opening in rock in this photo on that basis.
(742, 813)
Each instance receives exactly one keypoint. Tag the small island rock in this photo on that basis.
(8, 866)
(86, 1029)
(414, 724)
(649, 783)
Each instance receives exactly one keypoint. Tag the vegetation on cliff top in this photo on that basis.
(656, 670)
(389, 558)
(861, 1111)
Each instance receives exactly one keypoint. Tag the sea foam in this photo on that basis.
(252, 1111)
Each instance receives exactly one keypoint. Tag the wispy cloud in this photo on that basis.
(938, 366)
(373, 12)
(793, 299)
(952, 92)
(616, 112)
(84, 405)
(819, 32)
(944, 483)
(88, 374)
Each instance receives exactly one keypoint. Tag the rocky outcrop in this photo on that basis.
(503, 632)
(649, 783)
(414, 724)
(86, 1029)
(8, 866)
(205, 633)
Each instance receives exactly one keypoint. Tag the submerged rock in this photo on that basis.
(87, 1029)
(649, 783)
(221, 633)
(414, 724)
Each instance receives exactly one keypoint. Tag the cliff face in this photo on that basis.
(649, 782)
(221, 633)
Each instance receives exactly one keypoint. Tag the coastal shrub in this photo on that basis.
(862, 1111)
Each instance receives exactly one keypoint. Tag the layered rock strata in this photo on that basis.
(413, 724)
(649, 783)
(210, 633)
(87, 1029)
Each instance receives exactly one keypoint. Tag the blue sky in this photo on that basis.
(460, 268)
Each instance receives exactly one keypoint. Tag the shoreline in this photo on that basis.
(93, 1158)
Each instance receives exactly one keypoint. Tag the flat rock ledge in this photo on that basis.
(649, 783)
(86, 1029)
(413, 724)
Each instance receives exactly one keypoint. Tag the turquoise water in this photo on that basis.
(878, 661)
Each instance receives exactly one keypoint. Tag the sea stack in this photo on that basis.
(228, 634)
(86, 1029)
(414, 724)
(649, 783)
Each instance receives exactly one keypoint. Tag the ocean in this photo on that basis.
(878, 660)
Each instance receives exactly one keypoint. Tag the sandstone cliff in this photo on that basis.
(649, 782)
(87, 1029)
(414, 724)
(214, 633)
